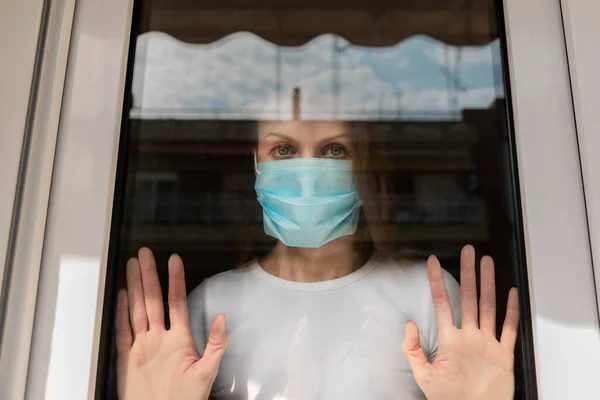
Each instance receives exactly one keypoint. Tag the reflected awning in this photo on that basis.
(295, 22)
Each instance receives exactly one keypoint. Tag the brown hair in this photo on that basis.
(378, 229)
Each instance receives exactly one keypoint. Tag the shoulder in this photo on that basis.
(226, 283)
(400, 270)
(233, 277)
(408, 275)
(392, 265)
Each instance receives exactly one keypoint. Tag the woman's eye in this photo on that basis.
(336, 151)
(282, 151)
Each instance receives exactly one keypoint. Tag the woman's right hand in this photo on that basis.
(152, 362)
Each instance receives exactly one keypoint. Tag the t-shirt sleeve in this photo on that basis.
(453, 289)
(197, 306)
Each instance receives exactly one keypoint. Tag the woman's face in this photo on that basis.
(280, 140)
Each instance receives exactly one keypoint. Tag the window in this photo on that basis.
(422, 82)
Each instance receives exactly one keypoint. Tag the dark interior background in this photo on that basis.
(189, 182)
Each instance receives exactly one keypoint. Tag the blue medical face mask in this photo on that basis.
(308, 202)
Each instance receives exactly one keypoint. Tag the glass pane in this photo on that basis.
(395, 114)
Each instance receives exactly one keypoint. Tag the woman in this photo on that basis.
(321, 316)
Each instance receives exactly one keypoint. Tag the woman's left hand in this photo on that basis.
(470, 363)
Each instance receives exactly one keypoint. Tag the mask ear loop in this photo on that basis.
(255, 163)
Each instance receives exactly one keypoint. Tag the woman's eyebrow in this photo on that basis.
(294, 141)
(280, 136)
(330, 138)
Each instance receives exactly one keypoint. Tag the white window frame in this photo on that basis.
(582, 32)
(20, 38)
(67, 303)
(36, 35)
(562, 289)
(16, 83)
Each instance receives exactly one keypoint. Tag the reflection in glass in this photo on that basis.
(421, 80)
(242, 76)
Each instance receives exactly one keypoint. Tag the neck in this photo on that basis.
(330, 261)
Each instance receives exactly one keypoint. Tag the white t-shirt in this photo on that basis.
(333, 340)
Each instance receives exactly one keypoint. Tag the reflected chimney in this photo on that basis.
(296, 104)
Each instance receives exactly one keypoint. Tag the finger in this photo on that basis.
(135, 295)
(468, 288)
(439, 294)
(178, 309)
(511, 321)
(152, 292)
(411, 347)
(487, 300)
(123, 328)
(217, 342)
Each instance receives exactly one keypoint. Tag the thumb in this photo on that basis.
(411, 347)
(217, 342)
